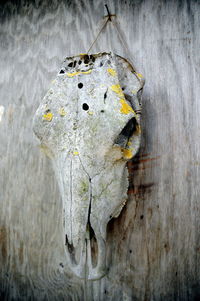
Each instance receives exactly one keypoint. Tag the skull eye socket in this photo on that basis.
(85, 106)
(126, 133)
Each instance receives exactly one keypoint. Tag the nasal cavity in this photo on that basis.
(93, 246)
(71, 250)
(85, 106)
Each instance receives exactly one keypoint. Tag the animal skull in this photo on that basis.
(89, 121)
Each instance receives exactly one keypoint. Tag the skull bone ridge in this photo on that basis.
(89, 121)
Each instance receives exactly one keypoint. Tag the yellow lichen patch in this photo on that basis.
(73, 74)
(117, 89)
(86, 72)
(127, 153)
(78, 72)
(125, 108)
(62, 112)
(83, 54)
(139, 75)
(75, 153)
(53, 81)
(90, 113)
(48, 116)
(83, 188)
(111, 71)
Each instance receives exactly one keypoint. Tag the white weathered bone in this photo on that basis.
(89, 121)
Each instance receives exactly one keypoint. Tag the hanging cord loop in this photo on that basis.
(123, 42)
(102, 28)
(119, 33)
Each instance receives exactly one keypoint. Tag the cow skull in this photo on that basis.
(89, 121)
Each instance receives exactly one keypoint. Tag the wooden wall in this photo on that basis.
(153, 249)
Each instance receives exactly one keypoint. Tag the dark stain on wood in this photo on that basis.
(21, 250)
(3, 242)
(141, 189)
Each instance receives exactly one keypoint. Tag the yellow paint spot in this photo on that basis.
(90, 113)
(75, 153)
(48, 116)
(111, 71)
(78, 72)
(62, 112)
(139, 75)
(125, 108)
(83, 54)
(117, 89)
(127, 153)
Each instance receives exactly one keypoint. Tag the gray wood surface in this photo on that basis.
(153, 248)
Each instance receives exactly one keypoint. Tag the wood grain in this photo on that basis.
(153, 248)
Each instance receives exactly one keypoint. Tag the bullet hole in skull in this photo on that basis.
(85, 106)
(80, 85)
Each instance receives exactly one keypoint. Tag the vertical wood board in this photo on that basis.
(153, 248)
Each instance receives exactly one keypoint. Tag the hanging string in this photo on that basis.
(123, 42)
(120, 35)
(104, 25)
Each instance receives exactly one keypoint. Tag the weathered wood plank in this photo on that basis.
(154, 246)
